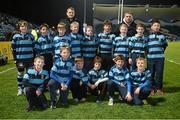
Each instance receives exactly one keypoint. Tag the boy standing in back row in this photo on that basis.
(23, 51)
(156, 46)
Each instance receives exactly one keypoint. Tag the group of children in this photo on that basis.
(86, 63)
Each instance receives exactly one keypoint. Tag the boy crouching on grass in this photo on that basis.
(34, 80)
(61, 75)
(119, 80)
(77, 85)
(140, 79)
(98, 78)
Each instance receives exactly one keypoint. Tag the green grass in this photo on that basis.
(166, 106)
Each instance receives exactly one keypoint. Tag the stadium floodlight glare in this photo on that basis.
(147, 7)
(173, 6)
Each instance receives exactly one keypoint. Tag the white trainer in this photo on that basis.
(110, 103)
(19, 92)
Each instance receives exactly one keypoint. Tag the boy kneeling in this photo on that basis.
(34, 80)
(140, 79)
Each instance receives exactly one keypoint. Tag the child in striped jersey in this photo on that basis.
(61, 75)
(156, 46)
(121, 43)
(23, 51)
(119, 80)
(89, 48)
(60, 40)
(34, 81)
(75, 40)
(105, 45)
(97, 82)
(44, 46)
(140, 79)
(79, 80)
(137, 45)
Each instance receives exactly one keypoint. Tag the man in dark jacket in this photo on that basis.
(70, 17)
(129, 21)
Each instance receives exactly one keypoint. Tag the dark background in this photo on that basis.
(51, 11)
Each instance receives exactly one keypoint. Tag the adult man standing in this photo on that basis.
(70, 17)
(129, 21)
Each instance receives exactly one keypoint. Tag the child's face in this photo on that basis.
(44, 31)
(39, 63)
(89, 32)
(23, 29)
(155, 27)
(75, 29)
(123, 30)
(61, 31)
(140, 64)
(65, 54)
(97, 65)
(119, 63)
(70, 13)
(140, 30)
(107, 28)
(79, 65)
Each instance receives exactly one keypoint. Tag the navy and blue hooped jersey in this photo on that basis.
(60, 41)
(140, 79)
(89, 46)
(121, 46)
(156, 46)
(137, 45)
(80, 75)
(119, 75)
(23, 46)
(62, 71)
(105, 43)
(94, 75)
(75, 44)
(44, 45)
(33, 77)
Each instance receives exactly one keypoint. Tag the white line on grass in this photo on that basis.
(173, 61)
(1, 72)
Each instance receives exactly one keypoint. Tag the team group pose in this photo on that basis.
(78, 60)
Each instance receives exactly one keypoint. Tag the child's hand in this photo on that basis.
(38, 92)
(80, 83)
(130, 61)
(137, 91)
(93, 87)
(63, 87)
(128, 97)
